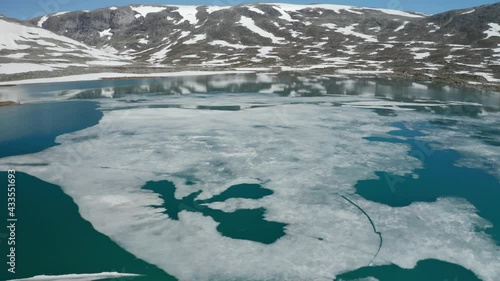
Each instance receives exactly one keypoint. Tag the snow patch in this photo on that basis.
(196, 39)
(363, 72)
(227, 44)
(402, 26)
(250, 24)
(143, 41)
(336, 8)
(349, 30)
(13, 68)
(184, 34)
(420, 56)
(108, 63)
(284, 14)
(193, 56)
(488, 76)
(494, 30)
(265, 51)
(160, 55)
(106, 32)
(255, 10)
(16, 56)
(42, 21)
(188, 13)
(469, 12)
(59, 14)
(212, 9)
(396, 13)
(329, 25)
(145, 10)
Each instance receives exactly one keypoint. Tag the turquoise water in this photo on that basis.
(440, 177)
(52, 238)
(427, 270)
(31, 128)
(55, 239)
(245, 224)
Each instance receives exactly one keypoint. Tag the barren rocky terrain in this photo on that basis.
(455, 47)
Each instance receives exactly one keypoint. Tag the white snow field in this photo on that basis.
(22, 39)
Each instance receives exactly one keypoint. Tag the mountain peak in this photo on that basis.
(319, 37)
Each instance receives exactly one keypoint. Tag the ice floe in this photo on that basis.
(304, 149)
(78, 277)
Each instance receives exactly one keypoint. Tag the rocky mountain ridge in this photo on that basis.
(460, 46)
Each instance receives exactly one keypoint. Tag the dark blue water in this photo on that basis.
(245, 224)
(31, 128)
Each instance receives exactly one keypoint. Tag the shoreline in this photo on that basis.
(8, 103)
(445, 79)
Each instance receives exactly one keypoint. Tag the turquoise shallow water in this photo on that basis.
(440, 177)
(31, 128)
(55, 239)
(245, 224)
(428, 270)
(52, 238)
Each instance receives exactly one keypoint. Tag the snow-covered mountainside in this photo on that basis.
(25, 49)
(453, 47)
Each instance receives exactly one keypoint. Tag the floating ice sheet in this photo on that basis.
(78, 277)
(309, 153)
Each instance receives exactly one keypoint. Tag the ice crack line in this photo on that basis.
(373, 226)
